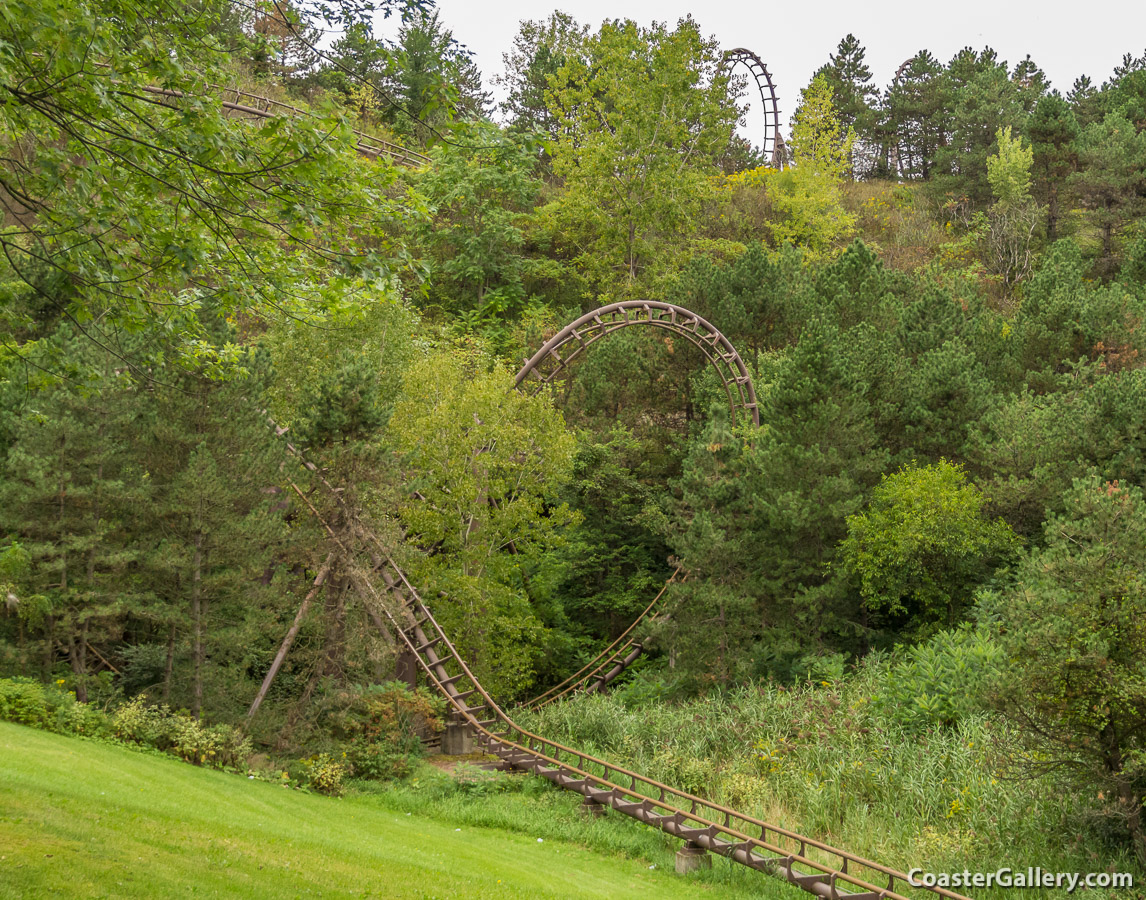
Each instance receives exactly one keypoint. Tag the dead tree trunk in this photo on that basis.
(291, 634)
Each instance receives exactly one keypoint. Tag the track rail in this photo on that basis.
(804, 862)
(773, 143)
(548, 365)
(809, 864)
(243, 103)
(813, 866)
(609, 663)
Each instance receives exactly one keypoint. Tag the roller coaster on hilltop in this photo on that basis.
(773, 144)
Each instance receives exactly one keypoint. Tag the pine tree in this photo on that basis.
(854, 98)
(67, 494)
(1111, 181)
(1052, 129)
(985, 99)
(917, 116)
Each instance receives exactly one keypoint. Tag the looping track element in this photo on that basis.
(548, 363)
(253, 106)
(773, 144)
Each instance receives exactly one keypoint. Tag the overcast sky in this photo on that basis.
(795, 37)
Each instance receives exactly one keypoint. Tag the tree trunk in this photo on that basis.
(169, 665)
(291, 634)
(77, 656)
(197, 619)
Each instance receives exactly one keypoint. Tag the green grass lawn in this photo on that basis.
(84, 819)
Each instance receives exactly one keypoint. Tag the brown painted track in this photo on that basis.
(243, 103)
(804, 862)
(609, 663)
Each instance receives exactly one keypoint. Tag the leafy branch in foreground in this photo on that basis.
(134, 200)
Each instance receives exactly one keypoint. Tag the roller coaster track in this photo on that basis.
(773, 143)
(609, 663)
(804, 862)
(549, 366)
(242, 103)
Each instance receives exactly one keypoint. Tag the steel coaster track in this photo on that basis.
(246, 104)
(811, 865)
(608, 664)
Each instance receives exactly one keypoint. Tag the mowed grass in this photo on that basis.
(84, 819)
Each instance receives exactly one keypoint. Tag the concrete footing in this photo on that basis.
(691, 857)
(457, 739)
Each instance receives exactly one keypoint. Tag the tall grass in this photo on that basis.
(829, 761)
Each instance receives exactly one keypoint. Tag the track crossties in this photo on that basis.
(549, 365)
(773, 143)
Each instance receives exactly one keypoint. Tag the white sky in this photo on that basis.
(795, 37)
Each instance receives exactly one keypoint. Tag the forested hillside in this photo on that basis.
(938, 288)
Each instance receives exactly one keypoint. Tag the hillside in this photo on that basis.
(85, 819)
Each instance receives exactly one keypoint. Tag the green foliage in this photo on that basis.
(380, 728)
(923, 544)
(984, 99)
(1052, 129)
(643, 117)
(854, 99)
(28, 702)
(1014, 215)
(132, 211)
(1111, 181)
(215, 746)
(1009, 170)
(540, 49)
(325, 775)
(833, 758)
(484, 460)
(1074, 634)
(475, 237)
(807, 196)
(942, 681)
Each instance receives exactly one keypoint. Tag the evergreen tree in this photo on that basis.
(1111, 181)
(69, 494)
(1052, 129)
(985, 99)
(432, 78)
(917, 109)
(854, 99)
(540, 49)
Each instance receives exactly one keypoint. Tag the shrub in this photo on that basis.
(942, 680)
(381, 728)
(28, 702)
(326, 775)
(25, 702)
(217, 746)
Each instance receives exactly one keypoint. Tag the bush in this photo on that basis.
(217, 746)
(381, 727)
(942, 680)
(28, 702)
(326, 775)
(25, 702)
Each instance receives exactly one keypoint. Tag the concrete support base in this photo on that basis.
(592, 809)
(691, 857)
(457, 739)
